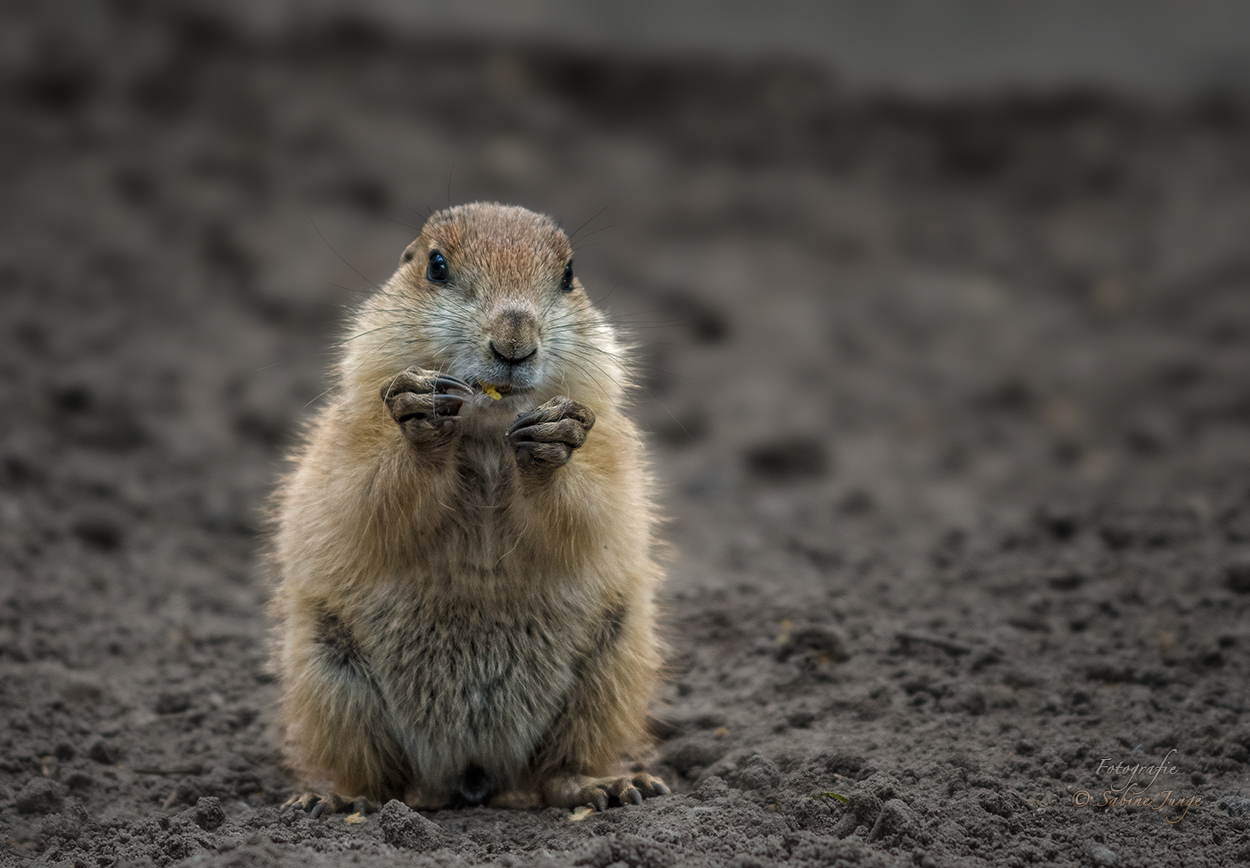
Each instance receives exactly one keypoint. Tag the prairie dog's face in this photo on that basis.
(490, 296)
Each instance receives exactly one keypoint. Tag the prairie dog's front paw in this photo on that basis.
(425, 404)
(545, 437)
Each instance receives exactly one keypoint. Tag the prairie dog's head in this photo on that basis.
(487, 293)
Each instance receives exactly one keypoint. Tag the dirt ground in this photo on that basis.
(950, 405)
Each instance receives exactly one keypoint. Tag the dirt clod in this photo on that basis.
(403, 827)
(895, 822)
(1237, 576)
(40, 796)
(208, 813)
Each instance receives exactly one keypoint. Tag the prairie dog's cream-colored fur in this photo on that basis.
(465, 606)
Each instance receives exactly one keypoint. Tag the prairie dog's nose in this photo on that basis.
(513, 355)
(514, 337)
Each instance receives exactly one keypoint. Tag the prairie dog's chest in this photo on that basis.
(496, 640)
(484, 513)
(486, 473)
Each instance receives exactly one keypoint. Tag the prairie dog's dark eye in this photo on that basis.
(437, 271)
(566, 282)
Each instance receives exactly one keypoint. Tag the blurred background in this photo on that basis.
(1008, 238)
(942, 314)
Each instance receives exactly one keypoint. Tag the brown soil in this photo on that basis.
(951, 406)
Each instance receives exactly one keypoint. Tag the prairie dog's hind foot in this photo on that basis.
(315, 804)
(573, 791)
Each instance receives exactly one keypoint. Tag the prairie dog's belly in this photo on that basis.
(468, 688)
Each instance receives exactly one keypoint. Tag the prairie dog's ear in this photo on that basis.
(410, 252)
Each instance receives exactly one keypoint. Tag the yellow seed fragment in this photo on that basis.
(354, 819)
(581, 813)
(488, 389)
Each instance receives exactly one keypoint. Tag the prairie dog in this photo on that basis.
(464, 544)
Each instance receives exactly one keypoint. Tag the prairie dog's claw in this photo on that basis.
(598, 793)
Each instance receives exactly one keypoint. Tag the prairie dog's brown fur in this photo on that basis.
(465, 610)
